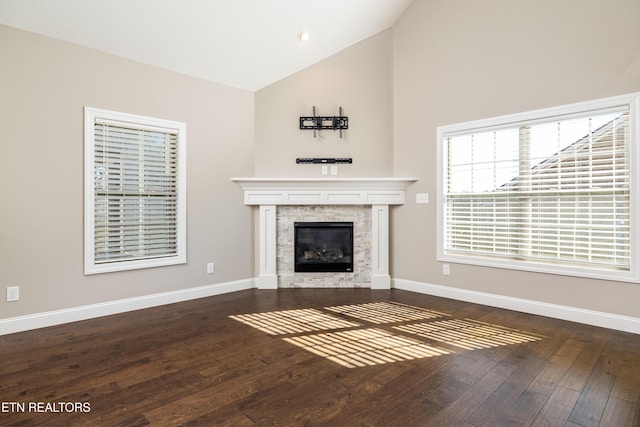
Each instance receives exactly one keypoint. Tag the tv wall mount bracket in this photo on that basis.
(318, 123)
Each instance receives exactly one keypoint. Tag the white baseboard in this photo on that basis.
(573, 314)
(74, 314)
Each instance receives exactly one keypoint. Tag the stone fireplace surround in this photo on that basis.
(286, 216)
(324, 199)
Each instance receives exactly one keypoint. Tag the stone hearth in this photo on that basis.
(365, 201)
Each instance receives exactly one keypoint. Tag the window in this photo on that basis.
(135, 192)
(551, 190)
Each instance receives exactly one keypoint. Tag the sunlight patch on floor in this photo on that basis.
(468, 334)
(365, 347)
(293, 321)
(359, 346)
(385, 312)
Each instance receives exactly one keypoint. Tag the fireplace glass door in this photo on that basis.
(323, 247)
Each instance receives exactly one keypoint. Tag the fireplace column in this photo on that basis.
(267, 278)
(380, 278)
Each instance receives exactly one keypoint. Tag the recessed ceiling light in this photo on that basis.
(303, 35)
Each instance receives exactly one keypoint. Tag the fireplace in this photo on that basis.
(370, 196)
(323, 247)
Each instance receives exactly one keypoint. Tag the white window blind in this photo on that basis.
(135, 194)
(549, 191)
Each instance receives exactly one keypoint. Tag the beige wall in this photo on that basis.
(44, 85)
(360, 80)
(460, 60)
(445, 61)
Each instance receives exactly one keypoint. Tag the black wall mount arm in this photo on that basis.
(318, 123)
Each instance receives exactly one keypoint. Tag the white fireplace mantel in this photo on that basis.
(324, 191)
(377, 192)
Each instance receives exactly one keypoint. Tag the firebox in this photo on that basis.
(323, 247)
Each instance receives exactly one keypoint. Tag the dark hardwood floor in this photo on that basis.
(445, 363)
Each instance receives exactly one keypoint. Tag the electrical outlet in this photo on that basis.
(422, 198)
(13, 293)
(211, 268)
(324, 170)
(445, 269)
(334, 170)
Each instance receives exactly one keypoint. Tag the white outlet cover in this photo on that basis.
(13, 293)
(422, 198)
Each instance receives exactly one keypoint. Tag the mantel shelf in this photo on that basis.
(324, 191)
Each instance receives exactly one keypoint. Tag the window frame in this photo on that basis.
(632, 101)
(137, 122)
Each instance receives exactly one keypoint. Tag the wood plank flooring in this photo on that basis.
(192, 364)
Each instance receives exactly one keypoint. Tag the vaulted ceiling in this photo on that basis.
(247, 44)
